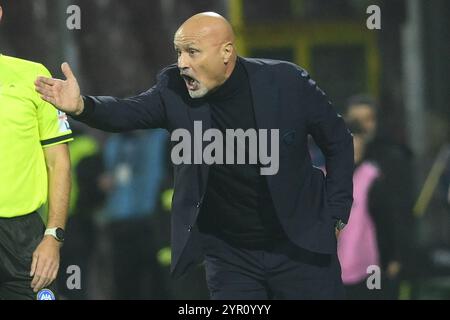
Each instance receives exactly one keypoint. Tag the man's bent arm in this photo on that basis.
(336, 142)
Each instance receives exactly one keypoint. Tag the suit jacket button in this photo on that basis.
(198, 204)
(189, 228)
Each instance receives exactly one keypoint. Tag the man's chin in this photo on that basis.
(199, 93)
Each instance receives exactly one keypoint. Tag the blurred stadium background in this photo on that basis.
(123, 44)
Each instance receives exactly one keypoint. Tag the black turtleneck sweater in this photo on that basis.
(237, 204)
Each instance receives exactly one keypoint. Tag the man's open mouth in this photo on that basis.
(191, 83)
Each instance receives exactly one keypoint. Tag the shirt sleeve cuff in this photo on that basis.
(89, 107)
(61, 139)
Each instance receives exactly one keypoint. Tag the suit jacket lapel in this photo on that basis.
(265, 99)
(264, 94)
(199, 110)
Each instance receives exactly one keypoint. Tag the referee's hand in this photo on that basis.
(63, 94)
(45, 263)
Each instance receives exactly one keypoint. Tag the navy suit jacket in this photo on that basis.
(307, 202)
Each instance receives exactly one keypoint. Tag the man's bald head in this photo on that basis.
(209, 25)
(206, 54)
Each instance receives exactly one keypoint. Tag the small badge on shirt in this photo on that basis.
(46, 294)
(63, 122)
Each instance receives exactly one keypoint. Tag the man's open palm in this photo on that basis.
(63, 94)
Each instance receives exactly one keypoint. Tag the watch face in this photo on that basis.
(60, 234)
(340, 225)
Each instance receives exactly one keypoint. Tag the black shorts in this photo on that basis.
(19, 237)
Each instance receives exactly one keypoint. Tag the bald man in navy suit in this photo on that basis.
(262, 236)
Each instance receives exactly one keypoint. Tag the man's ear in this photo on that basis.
(227, 52)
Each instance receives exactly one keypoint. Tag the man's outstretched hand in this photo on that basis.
(63, 94)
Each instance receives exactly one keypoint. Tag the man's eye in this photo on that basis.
(192, 51)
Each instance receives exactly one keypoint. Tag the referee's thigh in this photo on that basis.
(19, 237)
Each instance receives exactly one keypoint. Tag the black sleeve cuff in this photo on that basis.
(56, 140)
(89, 107)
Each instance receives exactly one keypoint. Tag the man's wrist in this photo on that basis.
(57, 233)
(80, 106)
(84, 110)
(52, 240)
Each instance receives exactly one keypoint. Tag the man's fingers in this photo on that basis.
(50, 100)
(39, 273)
(46, 283)
(37, 276)
(35, 280)
(41, 277)
(46, 95)
(34, 264)
(40, 284)
(44, 84)
(67, 71)
(44, 80)
(45, 91)
(52, 272)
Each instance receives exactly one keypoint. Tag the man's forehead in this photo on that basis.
(197, 34)
(185, 41)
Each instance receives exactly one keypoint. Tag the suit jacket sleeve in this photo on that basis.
(336, 142)
(143, 111)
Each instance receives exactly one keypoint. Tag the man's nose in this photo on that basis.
(183, 62)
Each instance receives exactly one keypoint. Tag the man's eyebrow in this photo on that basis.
(185, 44)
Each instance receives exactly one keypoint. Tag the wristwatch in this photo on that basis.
(340, 225)
(57, 233)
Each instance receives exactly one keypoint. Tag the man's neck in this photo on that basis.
(232, 84)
